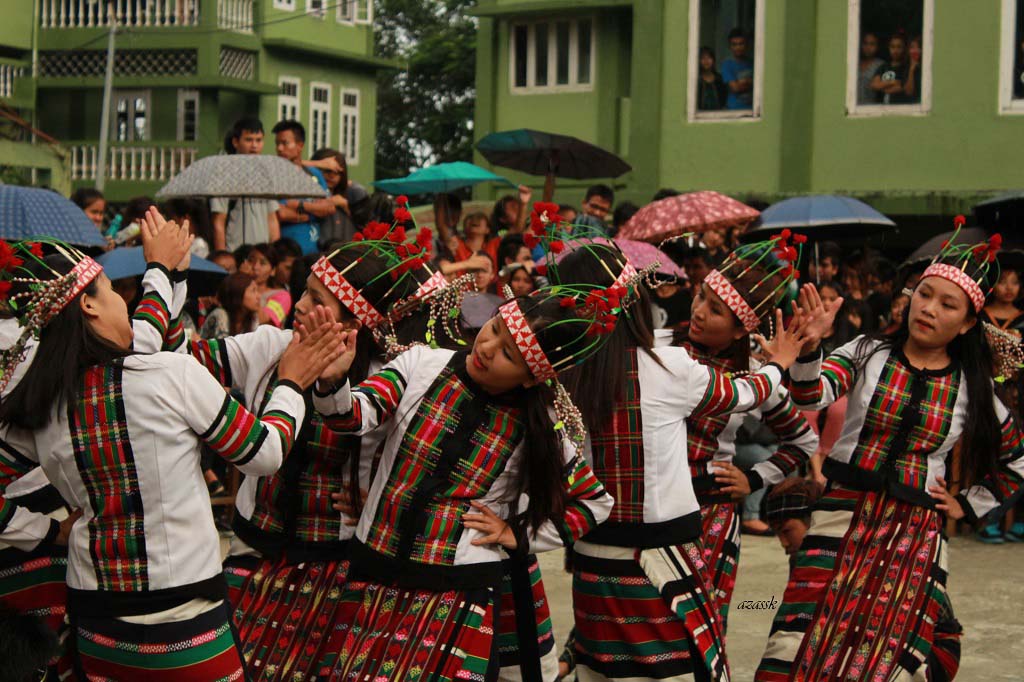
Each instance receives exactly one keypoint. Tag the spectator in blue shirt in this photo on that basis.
(738, 73)
(300, 218)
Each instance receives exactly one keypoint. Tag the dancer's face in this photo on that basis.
(106, 313)
(495, 362)
(317, 294)
(939, 312)
(712, 324)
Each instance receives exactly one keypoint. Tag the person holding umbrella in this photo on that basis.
(245, 220)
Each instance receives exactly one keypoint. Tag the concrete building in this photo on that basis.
(624, 74)
(186, 69)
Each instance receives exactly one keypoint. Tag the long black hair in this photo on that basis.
(67, 347)
(596, 389)
(980, 440)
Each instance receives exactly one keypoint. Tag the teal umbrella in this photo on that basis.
(443, 177)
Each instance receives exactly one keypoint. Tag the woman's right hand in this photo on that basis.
(163, 241)
(785, 347)
(819, 316)
(310, 352)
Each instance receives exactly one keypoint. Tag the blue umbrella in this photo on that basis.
(27, 212)
(821, 215)
(443, 177)
(203, 275)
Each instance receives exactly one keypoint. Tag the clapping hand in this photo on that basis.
(165, 242)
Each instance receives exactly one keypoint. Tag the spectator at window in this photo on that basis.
(891, 78)
(869, 63)
(597, 202)
(92, 203)
(711, 90)
(238, 303)
(300, 218)
(738, 73)
(912, 87)
(824, 268)
(243, 221)
(350, 198)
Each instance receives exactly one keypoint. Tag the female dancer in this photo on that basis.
(733, 302)
(642, 599)
(119, 436)
(868, 583)
(470, 444)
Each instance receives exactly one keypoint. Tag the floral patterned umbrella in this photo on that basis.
(640, 254)
(692, 212)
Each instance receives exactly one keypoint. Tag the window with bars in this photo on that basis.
(188, 115)
(319, 116)
(284, 4)
(355, 11)
(288, 99)
(350, 125)
(316, 8)
(552, 55)
(131, 115)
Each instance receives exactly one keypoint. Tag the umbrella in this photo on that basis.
(640, 254)
(821, 213)
(692, 212)
(1011, 255)
(30, 212)
(550, 155)
(444, 177)
(252, 176)
(203, 276)
(1005, 211)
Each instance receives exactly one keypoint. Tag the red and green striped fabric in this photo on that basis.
(153, 309)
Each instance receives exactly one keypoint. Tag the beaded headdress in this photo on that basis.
(774, 260)
(38, 301)
(969, 266)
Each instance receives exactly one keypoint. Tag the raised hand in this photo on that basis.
(337, 369)
(494, 528)
(786, 346)
(819, 316)
(310, 352)
(163, 241)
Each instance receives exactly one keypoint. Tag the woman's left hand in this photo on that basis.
(732, 479)
(494, 528)
(945, 502)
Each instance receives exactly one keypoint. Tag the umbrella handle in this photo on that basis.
(549, 187)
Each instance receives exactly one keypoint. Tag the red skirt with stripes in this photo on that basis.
(720, 539)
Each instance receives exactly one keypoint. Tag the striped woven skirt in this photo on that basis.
(407, 635)
(720, 539)
(645, 615)
(34, 582)
(291, 620)
(864, 594)
(237, 571)
(201, 648)
(524, 617)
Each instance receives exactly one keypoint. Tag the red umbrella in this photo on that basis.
(692, 212)
(640, 254)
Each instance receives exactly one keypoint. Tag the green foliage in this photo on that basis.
(425, 111)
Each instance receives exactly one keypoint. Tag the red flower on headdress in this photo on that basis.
(402, 251)
(786, 234)
(799, 238)
(398, 235)
(424, 237)
(995, 241)
(567, 302)
(357, 237)
(37, 249)
(531, 240)
(557, 246)
(542, 270)
(402, 200)
(959, 221)
(402, 215)
(5, 288)
(8, 261)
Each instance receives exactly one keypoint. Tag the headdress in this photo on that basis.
(969, 266)
(790, 499)
(775, 259)
(38, 301)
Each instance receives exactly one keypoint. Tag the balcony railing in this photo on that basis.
(8, 74)
(235, 15)
(139, 163)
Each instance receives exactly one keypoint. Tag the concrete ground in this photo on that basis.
(984, 583)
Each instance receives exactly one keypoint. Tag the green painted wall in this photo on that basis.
(16, 27)
(309, 29)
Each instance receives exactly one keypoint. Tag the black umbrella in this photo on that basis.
(1004, 212)
(550, 155)
(1011, 255)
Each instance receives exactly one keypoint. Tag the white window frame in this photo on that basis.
(132, 95)
(1007, 55)
(924, 107)
(693, 114)
(531, 57)
(348, 19)
(317, 13)
(322, 108)
(286, 5)
(364, 12)
(289, 100)
(187, 95)
(350, 151)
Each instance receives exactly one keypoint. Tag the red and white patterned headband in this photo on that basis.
(80, 276)
(436, 281)
(526, 342)
(718, 283)
(346, 293)
(961, 279)
(627, 274)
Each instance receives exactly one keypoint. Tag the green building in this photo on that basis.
(625, 74)
(185, 70)
(26, 155)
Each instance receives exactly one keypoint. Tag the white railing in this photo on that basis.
(8, 74)
(142, 163)
(87, 13)
(235, 15)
